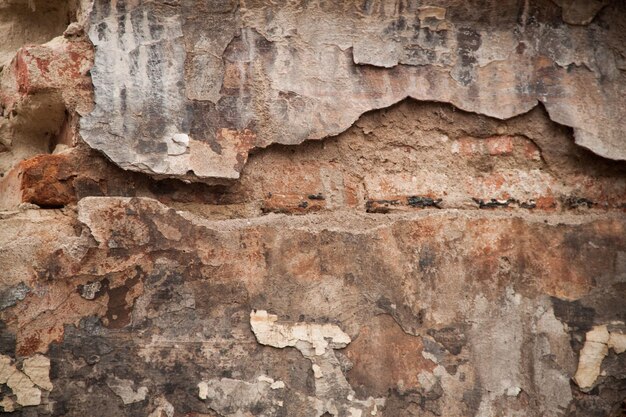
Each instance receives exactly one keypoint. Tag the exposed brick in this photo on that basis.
(531, 151)
(499, 145)
(46, 180)
(292, 203)
(469, 146)
(546, 203)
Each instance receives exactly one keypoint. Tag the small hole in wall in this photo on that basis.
(64, 135)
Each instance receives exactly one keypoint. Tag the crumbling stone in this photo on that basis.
(241, 93)
(401, 185)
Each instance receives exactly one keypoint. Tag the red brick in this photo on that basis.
(499, 145)
(292, 203)
(546, 203)
(44, 180)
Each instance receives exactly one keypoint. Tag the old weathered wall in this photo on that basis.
(313, 208)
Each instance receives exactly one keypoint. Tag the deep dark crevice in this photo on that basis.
(591, 158)
(51, 207)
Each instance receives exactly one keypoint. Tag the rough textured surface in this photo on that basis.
(441, 257)
(187, 89)
(177, 291)
(40, 92)
(32, 22)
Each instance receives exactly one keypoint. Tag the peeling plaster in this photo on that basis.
(232, 397)
(308, 338)
(598, 341)
(266, 70)
(37, 368)
(23, 384)
(317, 342)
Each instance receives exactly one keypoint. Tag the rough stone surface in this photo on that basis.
(177, 291)
(457, 253)
(41, 91)
(31, 22)
(187, 89)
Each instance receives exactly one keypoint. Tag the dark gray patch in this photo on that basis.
(10, 296)
(472, 399)
(7, 340)
(468, 41)
(452, 338)
(576, 315)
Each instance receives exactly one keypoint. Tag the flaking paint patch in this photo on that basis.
(316, 342)
(24, 384)
(617, 342)
(308, 338)
(233, 397)
(598, 341)
(37, 368)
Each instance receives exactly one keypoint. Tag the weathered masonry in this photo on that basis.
(313, 208)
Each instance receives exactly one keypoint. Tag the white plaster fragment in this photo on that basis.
(513, 391)
(178, 144)
(277, 385)
(25, 391)
(429, 356)
(355, 412)
(38, 370)
(317, 371)
(22, 384)
(302, 336)
(265, 378)
(591, 356)
(617, 342)
(203, 390)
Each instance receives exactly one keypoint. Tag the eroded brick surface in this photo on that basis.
(424, 261)
(425, 299)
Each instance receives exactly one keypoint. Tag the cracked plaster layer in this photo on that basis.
(316, 342)
(598, 341)
(461, 291)
(186, 89)
(124, 389)
(26, 385)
